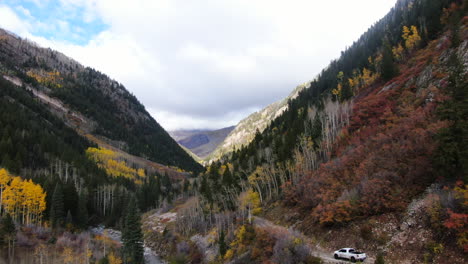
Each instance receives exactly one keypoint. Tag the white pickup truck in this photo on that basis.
(349, 254)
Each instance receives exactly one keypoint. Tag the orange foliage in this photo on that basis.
(385, 158)
(459, 223)
(262, 249)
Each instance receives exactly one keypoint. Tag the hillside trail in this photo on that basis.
(315, 250)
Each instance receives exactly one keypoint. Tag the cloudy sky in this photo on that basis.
(198, 63)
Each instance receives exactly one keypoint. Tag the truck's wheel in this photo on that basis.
(336, 256)
(353, 259)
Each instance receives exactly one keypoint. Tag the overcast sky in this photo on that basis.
(198, 63)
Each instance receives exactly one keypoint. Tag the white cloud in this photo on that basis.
(24, 11)
(10, 21)
(172, 121)
(209, 63)
(218, 61)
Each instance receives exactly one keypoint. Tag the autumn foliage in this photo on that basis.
(383, 157)
(458, 221)
(48, 78)
(22, 199)
(110, 161)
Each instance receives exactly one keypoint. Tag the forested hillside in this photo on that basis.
(76, 150)
(112, 111)
(372, 154)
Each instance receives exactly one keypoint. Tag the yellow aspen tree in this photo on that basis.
(398, 52)
(38, 205)
(411, 37)
(5, 178)
(113, 259)
(406, 32)
(25, 201)
(28, 201)
(368, 76)
(357, 80)
(415, 37)
(13, 198)
(250, 201)
(68, 255)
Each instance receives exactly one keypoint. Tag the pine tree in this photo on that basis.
(57, 211)
(69, 219)
(82, 214)
(452, 154)
(205, 190)
(346, 92)
(132, 235)
(227, 179)
(222, 244)
(70, 201)
(8, 233)
(389, 69)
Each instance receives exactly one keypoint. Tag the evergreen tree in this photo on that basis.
(69, 219)
(205, 189)
(227, 179)
(316, 130)
(452, 153)
(186, 186)
(57, 211)
(389, 69)
(346, 92)
(8, 233)
(132, 235)
(70, 201)
(222, 244)
(82, 214)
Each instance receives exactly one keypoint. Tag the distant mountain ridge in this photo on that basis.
(244, 132)
(201, 142)
(89, 101)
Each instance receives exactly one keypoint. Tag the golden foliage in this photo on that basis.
(251, 201)
(398, 52)
(411, 37)
(461, 193)
(229, 254)
(22, 199)
(368, 76)
(68, 255)
(113, 259)
(50, 79)
(244, 236)
(109, 161)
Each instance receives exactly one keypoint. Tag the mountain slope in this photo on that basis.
(62, 124)
(369, 156)
(201, 142)
(244, 132)
(110, 111)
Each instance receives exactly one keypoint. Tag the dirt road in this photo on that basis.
(315, 249)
